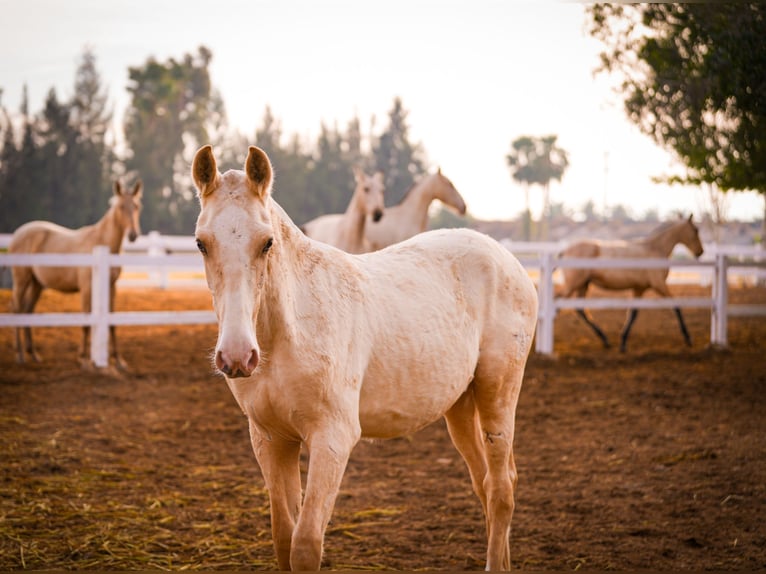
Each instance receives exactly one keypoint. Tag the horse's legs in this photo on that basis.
(589, 320)
(632, 314)
(26, 293)
(85, 303)
(122, 365)
(279, 460)
(465, 432)
(496, 392)
(682, 324)
(578, 285)
(329, 450)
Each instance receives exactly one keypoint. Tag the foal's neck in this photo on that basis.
(110, 231)
(352, 224)
(414, 205)
(664, 242)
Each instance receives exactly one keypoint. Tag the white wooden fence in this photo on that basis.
(543, 266)
(99, 319)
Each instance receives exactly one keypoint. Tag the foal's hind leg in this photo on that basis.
(682, 325)
(632, 314)
(496, 391)
(584, 315)
(589, 320)
(464, 429)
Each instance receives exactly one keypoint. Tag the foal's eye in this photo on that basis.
(268, 245)
(201, 247)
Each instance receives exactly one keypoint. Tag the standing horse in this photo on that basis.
(321, 348)
(658, 244)
(346, 231)
(410, 216)
(121, 218)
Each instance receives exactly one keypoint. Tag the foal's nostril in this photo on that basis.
(377, 215)
(235, 368)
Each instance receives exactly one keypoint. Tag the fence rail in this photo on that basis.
(164, 255)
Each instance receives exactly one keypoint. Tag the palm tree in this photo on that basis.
(538, 161)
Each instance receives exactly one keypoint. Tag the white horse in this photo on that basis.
(346, 230)
(659, 244)
(410, 216)
(121, 219)
(320, 347)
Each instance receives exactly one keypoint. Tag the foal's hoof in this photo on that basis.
(121, 365)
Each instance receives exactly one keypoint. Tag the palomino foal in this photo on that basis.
(346, 230)
(121, 219)
(658, 244)
(320, 347)
(410, 216)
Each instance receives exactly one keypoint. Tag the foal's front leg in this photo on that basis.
(329, 450)
(279, 460)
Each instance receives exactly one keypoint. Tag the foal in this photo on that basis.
(410, 216)
(659, 244)
(122, 218)
(346, 230)
(321, 348)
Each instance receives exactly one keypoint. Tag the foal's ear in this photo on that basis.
(137, 189)
(259, 172)
(117, 188)
(204, 171)
(690, 217)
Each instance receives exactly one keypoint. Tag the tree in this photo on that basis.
(536, 161)
(172, 106)
(400, 160)
(693, 77)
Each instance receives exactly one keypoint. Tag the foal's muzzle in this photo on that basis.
(377, 215)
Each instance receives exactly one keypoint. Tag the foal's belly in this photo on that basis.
(400, 405)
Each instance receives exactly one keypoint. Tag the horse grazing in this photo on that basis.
(346, 230)
(410, 216)
(320, 347)
(658, 244)
(121, 218)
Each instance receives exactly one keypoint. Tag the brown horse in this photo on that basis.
(659, 243)
(121, 218)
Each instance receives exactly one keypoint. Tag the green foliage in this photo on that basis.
(170, 111)
(693, 77)
(59, 169)
(401, 161)
(58, 165)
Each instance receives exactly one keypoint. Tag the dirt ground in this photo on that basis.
(651, 459)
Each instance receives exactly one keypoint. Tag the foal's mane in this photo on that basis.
(663, 227)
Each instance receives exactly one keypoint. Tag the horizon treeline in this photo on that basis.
(59, 164)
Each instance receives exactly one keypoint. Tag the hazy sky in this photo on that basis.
(473, 74)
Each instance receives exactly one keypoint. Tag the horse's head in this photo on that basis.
(370, 189)
(690, 237)
(445, 192)
(235, 235)
(127, 207)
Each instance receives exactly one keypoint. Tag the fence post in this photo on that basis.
(719, 319)
(99, 331)
(157, 249)
(546, 307)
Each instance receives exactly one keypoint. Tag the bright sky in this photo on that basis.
(473, 74)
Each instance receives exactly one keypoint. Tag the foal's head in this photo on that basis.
(445, 191)
(127, 208)
(370, 189)
(235, 236)
(689, 236)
